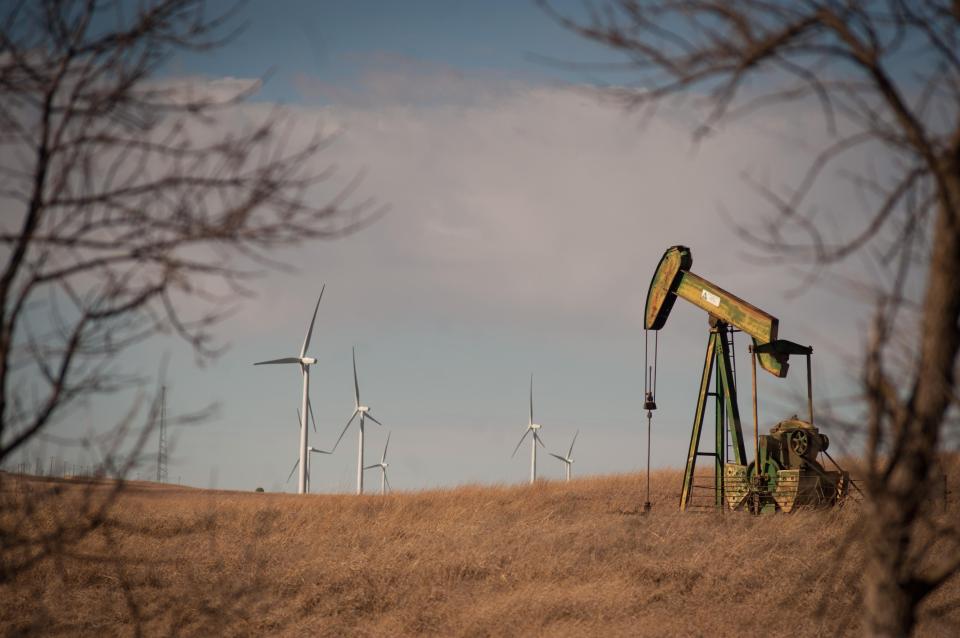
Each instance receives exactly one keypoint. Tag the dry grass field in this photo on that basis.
(557, 559)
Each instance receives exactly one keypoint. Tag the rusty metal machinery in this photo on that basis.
(790, 475)
(785, 473)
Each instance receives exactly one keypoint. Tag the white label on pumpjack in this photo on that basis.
(710, 298)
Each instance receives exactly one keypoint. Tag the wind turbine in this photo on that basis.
(313, 450)
(364, 413)
(568, 459)
(531, 427)
(383, 465)
(310, 449)
(305, 363)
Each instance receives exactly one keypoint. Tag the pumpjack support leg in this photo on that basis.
(698, 421)
(727, 415)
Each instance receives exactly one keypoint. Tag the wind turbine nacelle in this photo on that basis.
(534, 426)
(362, 409)
(307, 361)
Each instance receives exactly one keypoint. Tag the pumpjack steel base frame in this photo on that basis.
(727, 413)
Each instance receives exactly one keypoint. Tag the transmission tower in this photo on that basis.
(162, 447)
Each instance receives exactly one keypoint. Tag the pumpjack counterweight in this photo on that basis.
(785, 472)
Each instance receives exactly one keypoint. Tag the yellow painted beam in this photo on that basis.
(727, 307)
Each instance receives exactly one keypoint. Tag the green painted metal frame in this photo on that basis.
(718, 414)
(727, 414)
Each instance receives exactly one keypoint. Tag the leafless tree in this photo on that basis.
(885, 76)
(133, 204)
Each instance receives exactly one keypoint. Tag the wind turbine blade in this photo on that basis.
(299, 418)
(570, 451)
(352, 417)
(306, 340)
(284, 360)
(531, 399)
(310, 410)
(370, 467)
(383, 459)
(387, 481)
(356, 384)
(528, 430)
(372, 418)
(557, 456)
(293, 470)
(536, 437)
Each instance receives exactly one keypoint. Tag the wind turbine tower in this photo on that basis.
(534, 428)
(305, 363)
(162, 447)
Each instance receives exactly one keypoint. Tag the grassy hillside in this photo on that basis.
(553, 559)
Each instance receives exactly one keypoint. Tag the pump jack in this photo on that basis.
(789, 474)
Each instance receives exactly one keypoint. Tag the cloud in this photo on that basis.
(532, 201)
(384, 79)
(185, 90)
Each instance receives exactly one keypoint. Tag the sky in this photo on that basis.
(526, 217)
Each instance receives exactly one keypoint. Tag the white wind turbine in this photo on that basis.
(383, 465)
(364, 413)
(531, 427)
(310, 450)
(305, 363)
(568, 459)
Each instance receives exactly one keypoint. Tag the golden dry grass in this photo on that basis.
(552, 559)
